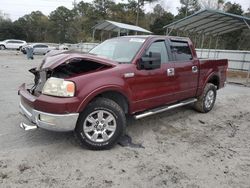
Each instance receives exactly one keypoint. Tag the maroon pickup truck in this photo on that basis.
(133, 75)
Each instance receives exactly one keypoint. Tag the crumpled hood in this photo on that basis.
(51, 62)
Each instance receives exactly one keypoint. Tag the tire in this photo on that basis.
(2, 47)
(91, 129)
(207, 99)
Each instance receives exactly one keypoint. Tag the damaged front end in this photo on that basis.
(65, 70)
(51, 102)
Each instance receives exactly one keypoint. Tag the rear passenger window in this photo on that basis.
(159, 47)
(181, 51)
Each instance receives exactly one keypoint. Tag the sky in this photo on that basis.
(17, 8)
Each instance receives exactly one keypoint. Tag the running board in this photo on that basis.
(164, 108)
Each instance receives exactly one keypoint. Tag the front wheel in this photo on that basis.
(101, 124)
(206, 101)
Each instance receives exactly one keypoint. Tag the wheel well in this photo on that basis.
(119, 98)
(214, 80)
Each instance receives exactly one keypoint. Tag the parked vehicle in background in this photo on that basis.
(39, 49)
(91, 94)
(63, 47)
(12, 44)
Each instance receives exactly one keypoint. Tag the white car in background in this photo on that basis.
(12, 44)
(40, 49)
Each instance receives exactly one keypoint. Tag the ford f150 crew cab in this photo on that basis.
(133, 75)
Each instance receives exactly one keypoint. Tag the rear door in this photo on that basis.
(185, 68)
(155, 87)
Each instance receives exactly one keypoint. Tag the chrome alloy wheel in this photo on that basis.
(209, 99)
(99, 126)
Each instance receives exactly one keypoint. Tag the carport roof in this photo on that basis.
(108, 25)
(210, 22)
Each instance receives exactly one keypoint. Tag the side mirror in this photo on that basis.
(153, 61)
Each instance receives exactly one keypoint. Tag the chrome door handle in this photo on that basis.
(170, 72)
(194, 69)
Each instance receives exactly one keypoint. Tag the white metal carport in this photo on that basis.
(118, 27)
(209, 22)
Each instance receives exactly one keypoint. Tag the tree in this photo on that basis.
(140, 4)
(159, 10)
(187, 8)
(164, 19)
(233, 8)
(232, 40)
(34, 26)
(60, 23)
(213, 4)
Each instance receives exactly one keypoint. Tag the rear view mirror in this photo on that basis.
(152, 61)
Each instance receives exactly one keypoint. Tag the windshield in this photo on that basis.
(122, 50)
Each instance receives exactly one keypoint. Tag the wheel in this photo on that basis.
(2, 47)
(206, 101)
(101, 124)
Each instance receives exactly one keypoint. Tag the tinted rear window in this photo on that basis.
(181, 50)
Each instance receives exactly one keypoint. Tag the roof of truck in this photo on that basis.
(156, 36)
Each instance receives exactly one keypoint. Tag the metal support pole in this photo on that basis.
(137, 13)
(247, 24)
(119, 33)
(93, 35)
(167, 31)
(216, 45)
(101, 35)
(202, 42)
(195, 40)
(209, 46)
(248, 74)
(170, 30)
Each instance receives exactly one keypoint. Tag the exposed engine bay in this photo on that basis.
(69, 68)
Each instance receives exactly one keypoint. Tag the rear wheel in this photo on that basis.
(206, 101)
(2, 47)
(101, 124)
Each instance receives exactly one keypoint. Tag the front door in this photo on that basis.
(156, 87)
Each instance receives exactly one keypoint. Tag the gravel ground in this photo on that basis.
(183, 148)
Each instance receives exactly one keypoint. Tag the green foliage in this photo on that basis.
(232, 40)
(60, 24)
(187, 8)
(161, 18)
(33, 26)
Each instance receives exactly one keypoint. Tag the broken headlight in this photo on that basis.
(59, 87)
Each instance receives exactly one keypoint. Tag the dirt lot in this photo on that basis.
(183, 148)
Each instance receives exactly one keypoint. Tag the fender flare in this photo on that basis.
(212, 74)
(100, 90)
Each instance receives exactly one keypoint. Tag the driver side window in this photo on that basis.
(158, 47)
